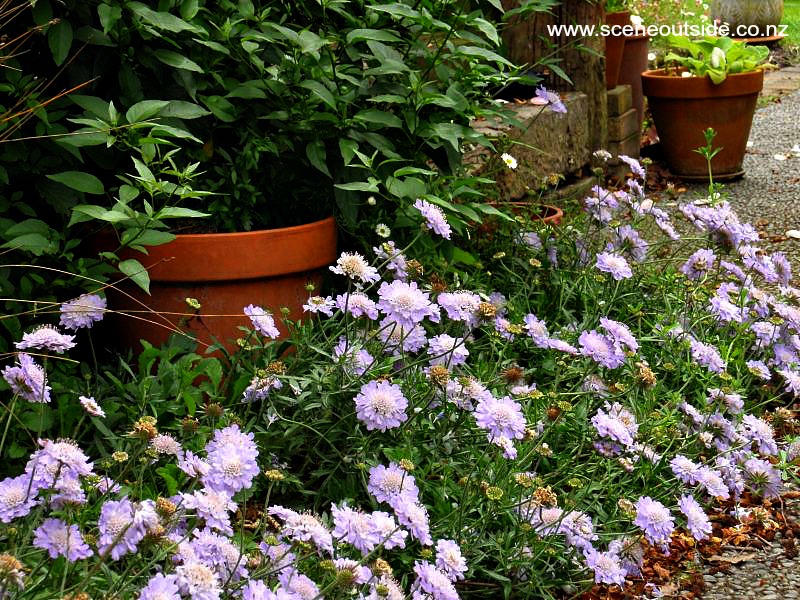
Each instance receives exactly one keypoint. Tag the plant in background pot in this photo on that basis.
(749, 18)
(286, 113)
(713, 83)
(616, 15)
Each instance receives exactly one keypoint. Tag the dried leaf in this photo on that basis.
(734, 559)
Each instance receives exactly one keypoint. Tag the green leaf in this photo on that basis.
(127, 193)
(145, 174)
(109, 15)
(148, 237)
(28, 226)
(320, 91)
(35, 243)
(310, 42)
(221, 108)
(487, 29)
(189, 9)
(380, 35)
(485, 54)
(38, 420)
(80, 181)
(169, 480)
(379, 117)
(162, 20)
(247, 90)
(183, 110)
(359, 186)
(59, 37)
(172, 132)
(144, 110)
(315, 151)
(137, 273)
(396, 10)
(173, 59)
(348, 149)
(179, 212)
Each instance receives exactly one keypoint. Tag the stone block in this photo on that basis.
(623, 126)
(547, 144)
(629, 146)
(619, 100)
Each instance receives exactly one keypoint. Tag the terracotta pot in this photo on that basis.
(634, 63)
(684, 107)
(546, 213)
(614, 47)
(225, 272)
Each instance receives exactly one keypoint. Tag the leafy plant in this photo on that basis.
(717, 57)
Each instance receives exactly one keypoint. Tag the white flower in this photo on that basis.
(383, 230)
(637, 21)
(651, 56)
(603, 155)
(686, 74)
(510, 161)
(717, 57)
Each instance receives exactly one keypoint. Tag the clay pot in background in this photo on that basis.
(614, 47)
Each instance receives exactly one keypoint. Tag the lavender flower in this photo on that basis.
(791, 379)
(613, 264)
(433, 582)
(685, 469)
(636, 167)
(630, 244)
(399, 338)
(91, 406)
(17, 497)
(449, 559)
(83, 311)
(501, 417)
(28, 379)
(118, 534)
(461, 306)
(707, 356)
(396, 260)
(447, 350)
(601, 349)
(546, 97)
(696, 519)
(760, 433)
(192, 465)
(318, 304)
(389, 533)
(160, 587)
(389, 484)
(616, 424)
(60, 539)
(406, 304)
(46, 337)
(197, 580)
(762, 478)
(414, 516)
(698, 264)
(655, 521)
(262, 321)
(381, 405)
(619, 334)
(733, 402)
(713, 483)
(357, 304)
(260, 387)
(303, 527)
(231, 469)
(353, 266)
(212, 506)
(537, 329)
(434, 217)
(354, 527)
(607, 567)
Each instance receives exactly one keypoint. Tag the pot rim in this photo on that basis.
(657, 84)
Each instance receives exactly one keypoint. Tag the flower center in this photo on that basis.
(382, 404)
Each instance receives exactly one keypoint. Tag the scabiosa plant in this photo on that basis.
(160, 587)
(46, 337)
(601, 349)
(607, 567)
(434, 218)
(461, 306)
(262, 321)
(17, 497)
(60, 539)
(655, 521)
(91, 406)
(501, 417)
(27, 379)
(355, 527)
(390, 484)
(450, 560)
(433, 582)
(303, 527)
(696, 519)
(405, 304)
(381, 405)
(83, 312)
(118, 533)
(355, 267)
(358, 304)
(444, 349)
(614, 264)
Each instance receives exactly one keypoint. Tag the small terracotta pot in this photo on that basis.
(684, 107)
(634, 63)
(546, 213)
(225, 272)
(614, 47)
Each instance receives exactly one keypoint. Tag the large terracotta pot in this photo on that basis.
(634, 62)
(755, 16)
(684, 107)
(614, 47)
(225, 272)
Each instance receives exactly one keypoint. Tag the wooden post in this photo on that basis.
(581, 58)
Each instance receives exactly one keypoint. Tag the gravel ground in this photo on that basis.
(769, 194)
(769, 197)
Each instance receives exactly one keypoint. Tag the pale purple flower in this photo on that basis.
(450, 560)
(760, 433)
(164, 443)
(760, 370)
(360, 573)
(636, 167)
(46, 337)
(685, 469)
(613, 264)
(607, 567)
(696, 519)
(215, 551)
(354, 527)
(601, 349)
(782, 267)
(212, 506)
(630, 552)
(447, 350)
(537, 329)
(698, 264)
(303, 527)
(389, 484)
(501, 417)
(595, 385)
(118, 534)
(160, 587)
(60, 539)
(707, 356)
(260, 387)
(406, 304)
(358, 304)
(353, 266)
(390, 534)
(562, 346)
(396, 260)
(381, 405)
(461, 306)
(192, 465)
(414, 516)
(791, 379)
(58, 464)
(733, 402)
(91, 407)
(630, 244)
(616, 423)
(354, 359)
(231, 469)
(546, 97)
(762, 478)
(464, 391)
(232, 436)
(399, 338)
(434, 218)
(532, 240)
(27, 379)
(713, 483)
(198, 580)
(578, 530)
(83, 311)
(433, 583)
(505, 444)
(318, 304)
(262, 321)
(17, 497)
(619, 334)
(655, 521)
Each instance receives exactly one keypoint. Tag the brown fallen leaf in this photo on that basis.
(734, 560)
